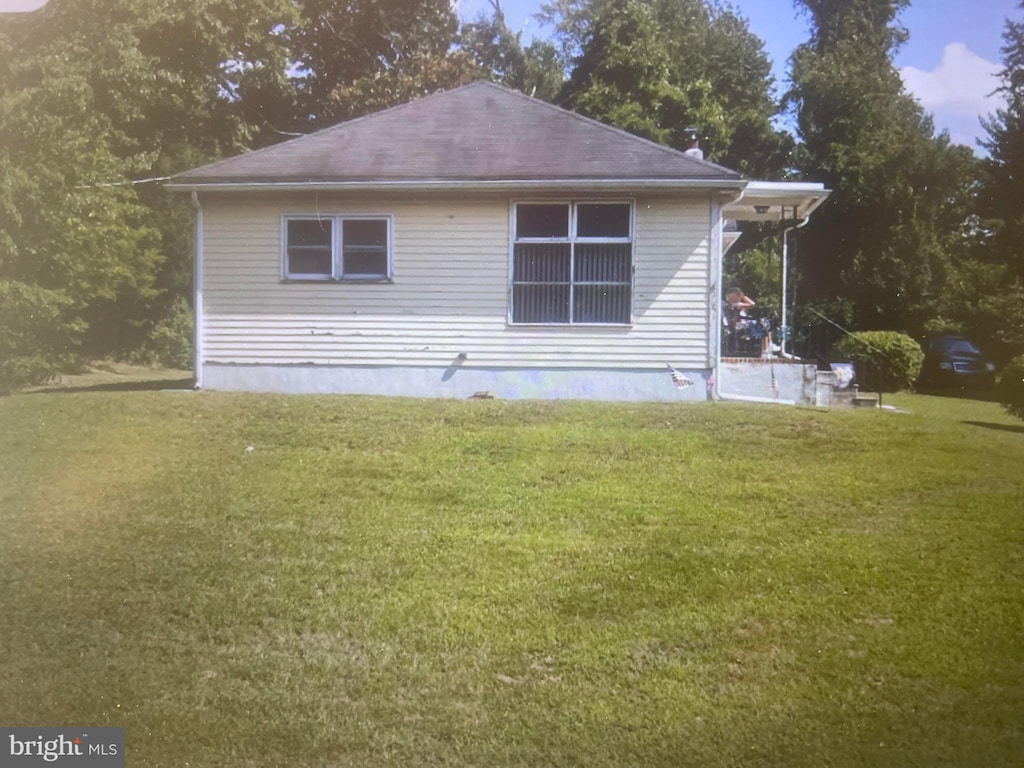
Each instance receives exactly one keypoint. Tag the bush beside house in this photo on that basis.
(886, 361)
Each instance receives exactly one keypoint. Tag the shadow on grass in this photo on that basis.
(1017, 428)
(980, 395)
(118, 386)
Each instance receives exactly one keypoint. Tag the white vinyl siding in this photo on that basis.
(450, 289)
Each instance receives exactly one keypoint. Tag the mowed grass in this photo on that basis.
(388, 582)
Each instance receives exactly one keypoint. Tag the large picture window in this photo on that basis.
(572, 263)
(337, 247)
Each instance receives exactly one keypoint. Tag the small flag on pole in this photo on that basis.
(681, 381)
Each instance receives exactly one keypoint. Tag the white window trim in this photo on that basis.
(572, 239)
(337, 248)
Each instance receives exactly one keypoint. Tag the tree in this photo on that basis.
(164, 74)
(99, 93)
(711, 44)
(997, 300)
(887, 238)
(496, 48)
(698, 64)
(621, 76)
(544, 74)
(341, 49)
(71, 244)
(419, 77)
(501, 58)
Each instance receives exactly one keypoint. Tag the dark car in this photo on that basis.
(955, 361)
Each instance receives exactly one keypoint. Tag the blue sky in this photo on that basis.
(949, 64)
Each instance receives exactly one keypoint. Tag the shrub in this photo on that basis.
(885, 360)
(170, 342)
(37, 338)
(1011, 387)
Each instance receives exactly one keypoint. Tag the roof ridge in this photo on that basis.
(609, 128)
(395, 108)
(511, 118)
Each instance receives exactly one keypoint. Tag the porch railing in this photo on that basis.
(746, 337)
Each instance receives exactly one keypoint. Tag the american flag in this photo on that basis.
(681, 381)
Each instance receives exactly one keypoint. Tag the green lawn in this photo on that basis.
(388, 582)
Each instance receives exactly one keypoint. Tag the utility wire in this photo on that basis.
(848, 333)
(128, 183)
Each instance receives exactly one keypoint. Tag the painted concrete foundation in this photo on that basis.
(458, 382)
(746, 378)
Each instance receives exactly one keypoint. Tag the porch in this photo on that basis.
(754, 361)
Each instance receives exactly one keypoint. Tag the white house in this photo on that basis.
(473, 240)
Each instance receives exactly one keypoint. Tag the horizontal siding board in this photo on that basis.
(449, 292)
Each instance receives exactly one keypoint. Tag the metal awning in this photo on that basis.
(776, 201)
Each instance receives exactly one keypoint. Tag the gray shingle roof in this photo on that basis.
(478, 133)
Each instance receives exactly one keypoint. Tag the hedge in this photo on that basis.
(886, 361)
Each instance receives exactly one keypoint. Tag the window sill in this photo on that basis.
(570, 326)
(339, 280)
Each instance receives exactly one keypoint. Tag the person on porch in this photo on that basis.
(735, 311)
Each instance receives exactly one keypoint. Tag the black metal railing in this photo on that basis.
(749, 335)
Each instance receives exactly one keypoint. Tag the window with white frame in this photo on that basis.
(572, 263)
(337, 247)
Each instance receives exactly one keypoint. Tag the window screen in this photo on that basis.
(309, 247)
(541, 221)
(365, 248)
(602, 220)
(584, 276)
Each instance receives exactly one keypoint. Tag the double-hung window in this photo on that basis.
(572, 263)
(337, 247)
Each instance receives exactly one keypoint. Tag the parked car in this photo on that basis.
(955, 361)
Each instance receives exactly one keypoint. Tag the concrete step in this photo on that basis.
(865, 400)
(843, 398)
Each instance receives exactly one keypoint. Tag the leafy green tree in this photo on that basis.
(757, 270)
(163, 74)
(341, 48)
(697, 64)
(496, 48)
(72, 246)
(712, 44)
(544, 74)
(498, 52)
(122, 90)
(997, 300)
(421, 76)
(621, 76)
(895, 224)
(570, 20)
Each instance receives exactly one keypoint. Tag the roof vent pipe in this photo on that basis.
(690, 134)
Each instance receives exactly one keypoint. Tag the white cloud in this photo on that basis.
(957, 92)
